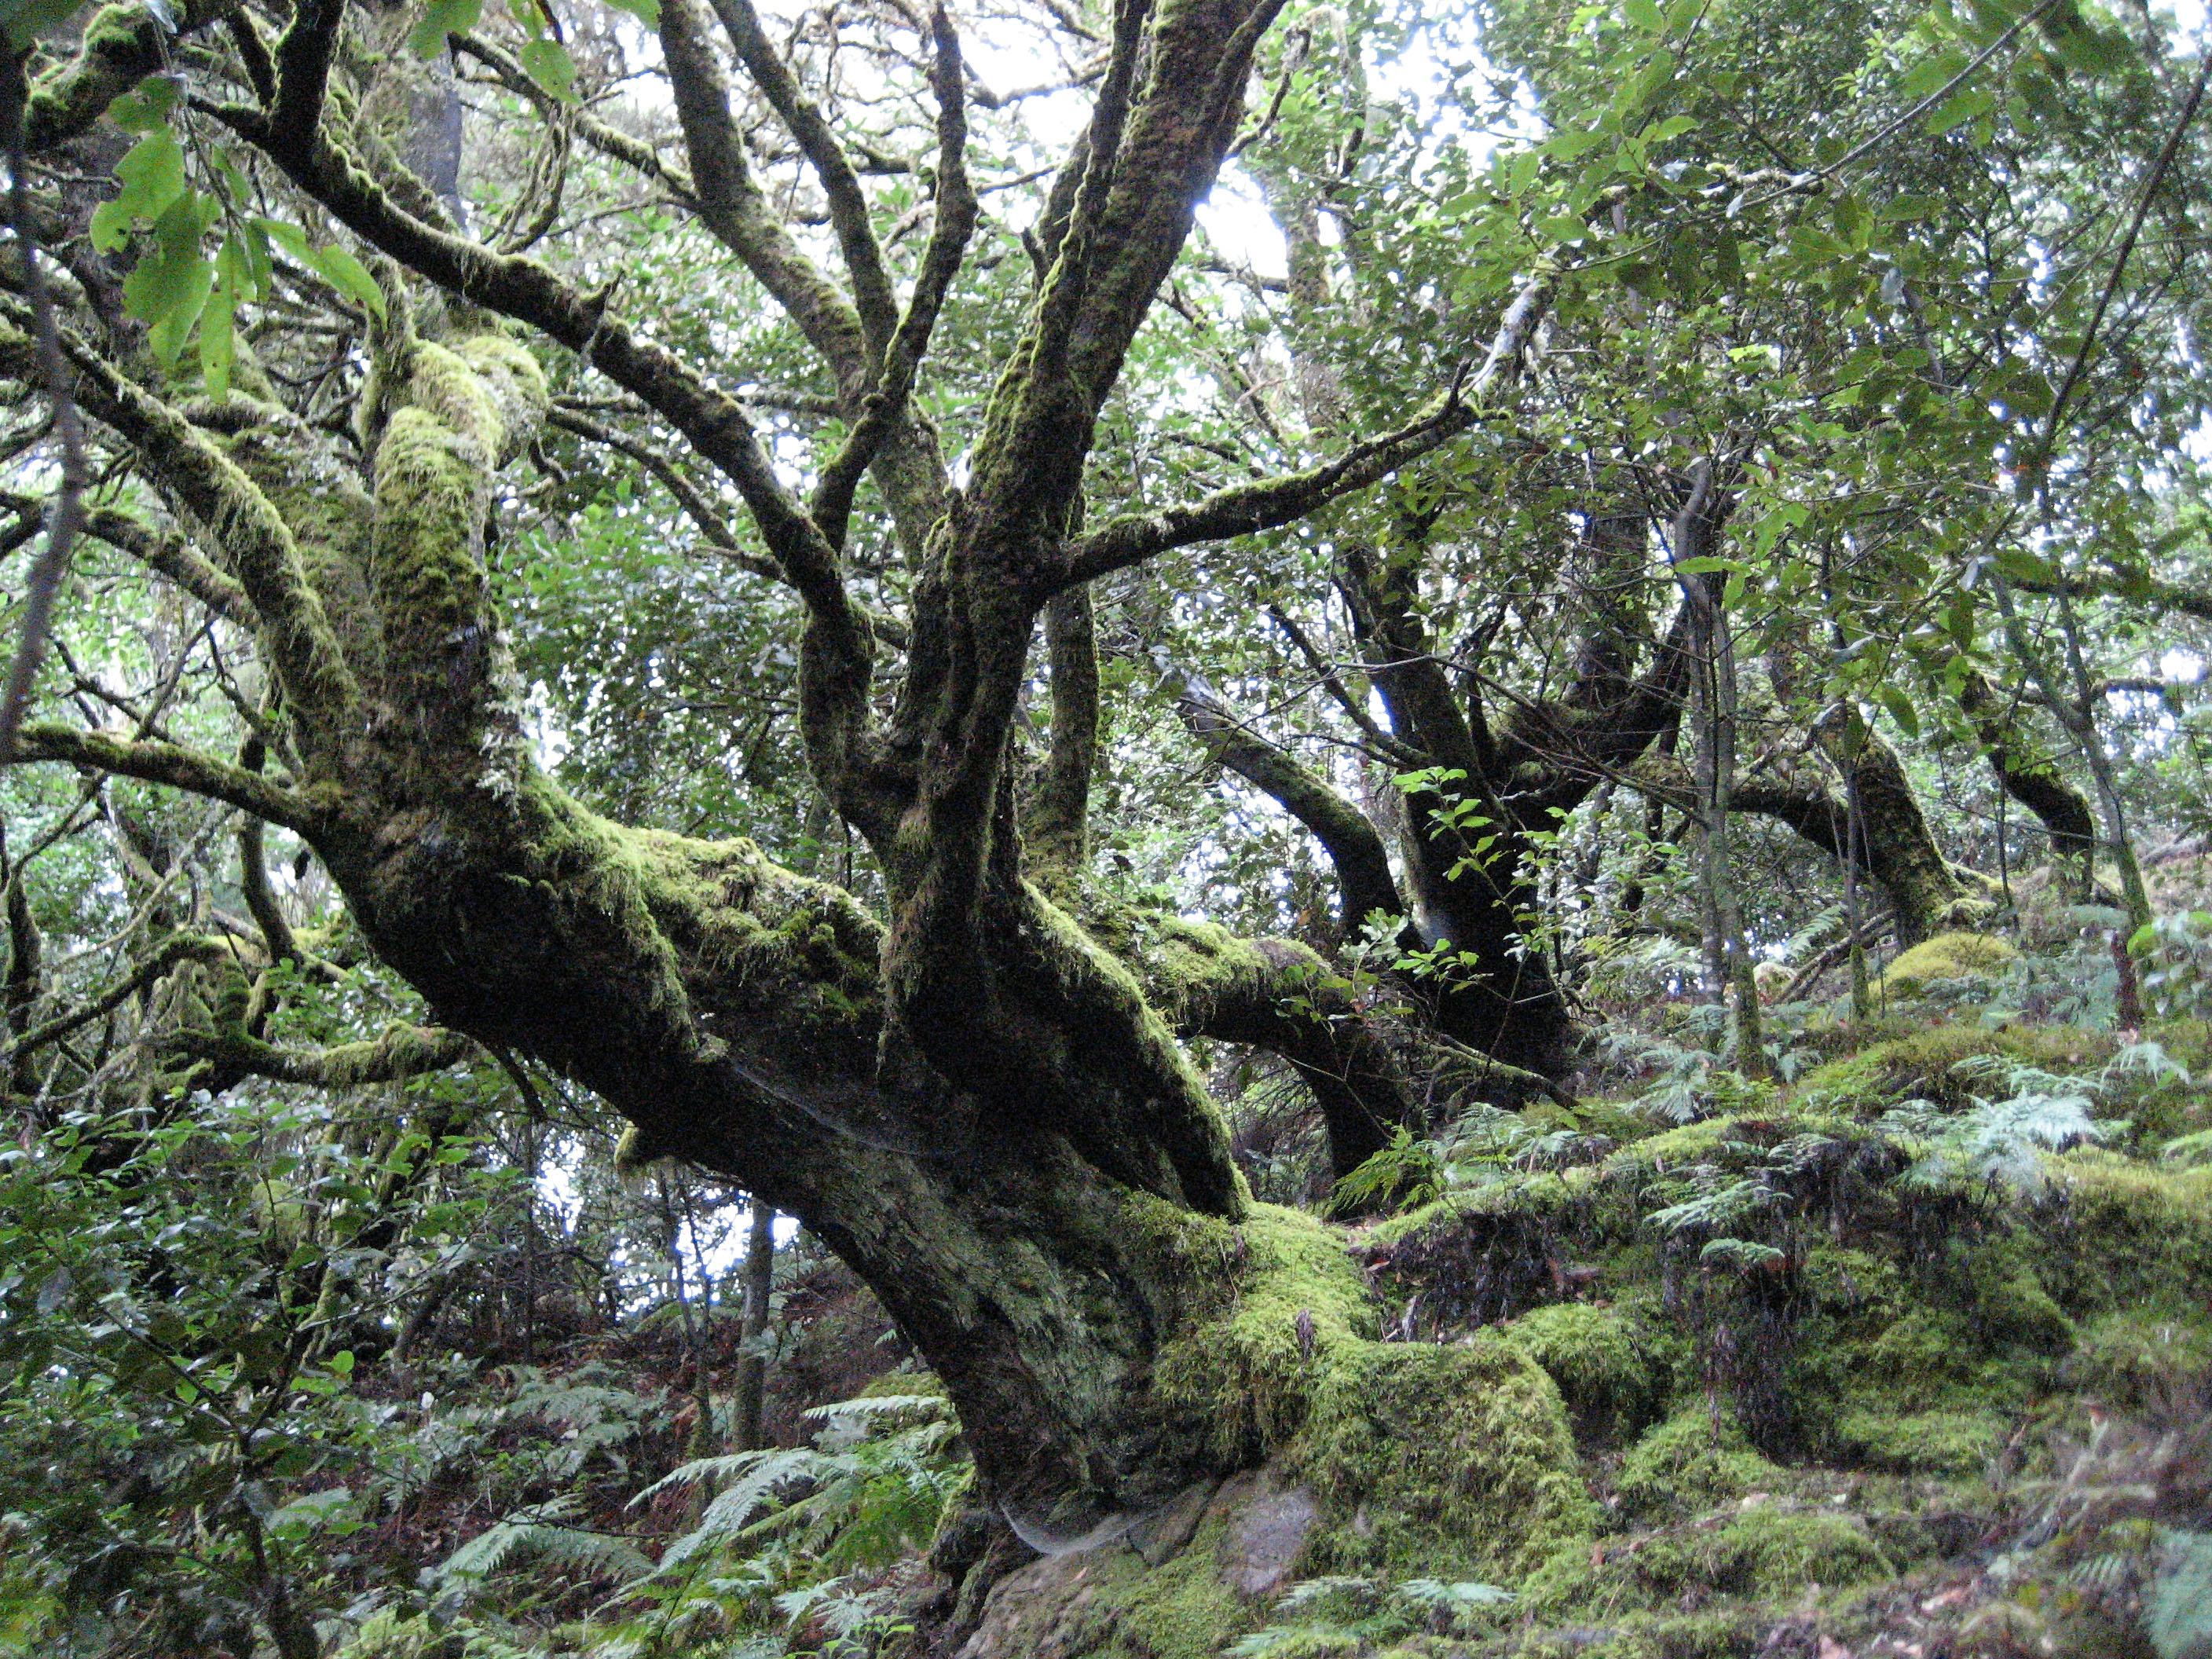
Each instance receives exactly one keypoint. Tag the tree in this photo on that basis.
(962, 1066)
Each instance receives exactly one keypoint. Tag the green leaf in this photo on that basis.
(1930, 73)
(218, 339)
(349, 275)
(170, 285)
(147, 105)
(648, 11)
(1900, 710)
(550, 66)
(440, 19)
(1644, 14)
(1959, 108)
(152, 176)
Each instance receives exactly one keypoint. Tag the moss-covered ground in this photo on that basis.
(1907, 1358)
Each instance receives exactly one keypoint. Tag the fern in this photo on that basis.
(541, 1535)
(2179, 1611)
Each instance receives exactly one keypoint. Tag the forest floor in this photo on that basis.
(1910, 1355)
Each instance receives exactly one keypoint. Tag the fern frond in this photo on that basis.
(539, 1536)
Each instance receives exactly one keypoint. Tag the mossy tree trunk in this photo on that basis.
(971, 1099)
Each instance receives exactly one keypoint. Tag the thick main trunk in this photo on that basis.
(732, 1009)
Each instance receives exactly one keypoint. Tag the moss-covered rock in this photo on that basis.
(1920, 1063)
(2130, 1360)
(1946, 955)
(1938, 1443)
(1762, 1554)
(1451, 1462)
(1696, 1458)
(1613, 1383)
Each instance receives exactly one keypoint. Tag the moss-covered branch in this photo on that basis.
(837, 654)
(155, 762)
(123, 44)
(1277, 995)
(295, 632)
(164, 957)
(171, 555)
(872, 297)
(403, 1051)
(1243, 509)
(1365, 883)
(735, 211)
(462, 413)
(1058, 827)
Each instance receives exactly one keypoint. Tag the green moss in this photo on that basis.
(2129, 1361)
(1451, 1462)
(1296, 1307)
(1766, 1551)
(1930, 1443)
(1107, 1604)
(1693, 1459)
(1946, 956)
(1605, 1372)
(2118, 1235)
(1920, 1064)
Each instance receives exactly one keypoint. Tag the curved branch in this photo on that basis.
(696, 507)
(301, 645)
(184, 947)
(1280, 996)
(1267, 503)
(1355, 847)
(123, 44)
(169, 554)
(169, 763)
(735, 212)
(403, 1051)
(872, 297)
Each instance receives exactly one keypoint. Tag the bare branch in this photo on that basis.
(1268, 503)
(956, 212)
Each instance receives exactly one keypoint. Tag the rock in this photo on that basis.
(1267, 1535)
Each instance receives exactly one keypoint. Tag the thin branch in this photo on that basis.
(694, 502)
(956, 212)
(197, 947)
(47, 571)
(872, 296)
(1267, 503)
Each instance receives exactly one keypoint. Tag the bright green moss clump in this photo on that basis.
(1451, 1462)
(1946, 955)
(1298, 1306)
(1605, 1370)
(1696, 1457)
(1628, 1593)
